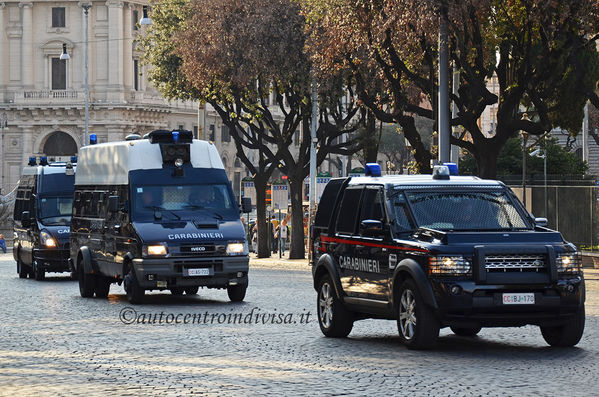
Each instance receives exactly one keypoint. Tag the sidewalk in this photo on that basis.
(275, 262)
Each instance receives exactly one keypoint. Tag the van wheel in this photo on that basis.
(418, 328)
(22, 270)
(177, 291)
(236, 292)
(333, 318)
(134, 292)
(191, 290)
(566, 335)
(102, 286)
(465, 331)
(86, 283)
(38, 273)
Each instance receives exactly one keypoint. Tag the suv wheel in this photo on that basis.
(236, 292)
(566, 335)
(102, 286)
(22, 270)
(333, 318)
(191, 290)
(134, 292)
(177, 290)
(39, 273)
(417, 325)
(465, 331)
(86, 283)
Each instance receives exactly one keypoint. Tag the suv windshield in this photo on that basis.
(480, 211)
(184, 201)
(55, 210)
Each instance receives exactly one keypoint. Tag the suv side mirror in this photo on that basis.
(246, 204)
(542, 222)
(113, 203)
(25, 219)
(371, 227)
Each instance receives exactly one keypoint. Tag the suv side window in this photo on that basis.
(372, 205)
(348, 212)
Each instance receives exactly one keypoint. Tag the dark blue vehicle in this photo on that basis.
(156, 214)
(441, 251)
(42, 216)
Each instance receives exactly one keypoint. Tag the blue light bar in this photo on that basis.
(32, 161)
(73, 159)
(175, 136)
(43, 160)
(372, 169)
(453, 168)
(93, 139)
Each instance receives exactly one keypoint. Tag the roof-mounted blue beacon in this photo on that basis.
(175, 136)
(93, 139)
(43, 160)
(453, 169)
(32, 161)
(372, 169)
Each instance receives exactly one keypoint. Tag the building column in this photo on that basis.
(27, 46)
(128, 50)
(27, 134)
(115, 49)
(3, 63)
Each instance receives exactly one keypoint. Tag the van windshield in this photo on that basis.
(55, 210)
(474, 211)
(184, 201)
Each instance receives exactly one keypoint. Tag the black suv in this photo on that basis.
(433, 251)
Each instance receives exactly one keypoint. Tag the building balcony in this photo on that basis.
(44, 96)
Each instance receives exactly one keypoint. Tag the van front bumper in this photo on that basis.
(52, 260)
(166, 273)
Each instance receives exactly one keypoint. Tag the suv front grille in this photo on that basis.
(515, 263)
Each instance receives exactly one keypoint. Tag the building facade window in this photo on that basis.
(195, 132)
(135, 16)
(296, 137)
(181, 127)
(136, 75)
(58, 17)
(59, 74)
(212, 132)
(225, 136)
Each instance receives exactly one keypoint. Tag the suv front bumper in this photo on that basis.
(165, 273)
(482, 304)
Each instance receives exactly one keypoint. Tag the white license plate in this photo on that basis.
(519, 299)
(198, 272)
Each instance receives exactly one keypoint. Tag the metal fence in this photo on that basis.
(572, 210)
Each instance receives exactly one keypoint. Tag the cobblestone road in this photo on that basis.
(52, 341)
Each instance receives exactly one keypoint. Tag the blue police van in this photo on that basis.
(156, 213)
(42, 215)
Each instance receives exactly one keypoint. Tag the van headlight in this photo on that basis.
(155, 250)
(449, 265)
(237, 249)
(47, 240)
(570, 262)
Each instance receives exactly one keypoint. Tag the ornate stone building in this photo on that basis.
(43, 96)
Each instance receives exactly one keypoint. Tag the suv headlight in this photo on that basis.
(237, 248)
(155, 250)
(570, 262)
(449, 265)
(47, 240)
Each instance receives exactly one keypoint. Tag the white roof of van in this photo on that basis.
(427, 180)
(110, 163)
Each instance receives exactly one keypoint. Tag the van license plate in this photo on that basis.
(519, 299)
(198, 272)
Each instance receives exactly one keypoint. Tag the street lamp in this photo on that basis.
(145, 20)
(3, 124)
(64, 56)
(86, 7)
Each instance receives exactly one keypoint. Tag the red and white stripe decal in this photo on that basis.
(368, 244)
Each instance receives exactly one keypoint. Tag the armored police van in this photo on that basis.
(433, 251)
(156, 214)
(42, 215)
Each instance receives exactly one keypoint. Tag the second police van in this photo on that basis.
(433, 251)
(42, 215)
(156, 214)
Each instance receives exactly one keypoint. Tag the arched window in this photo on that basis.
(60, 144)
(237, 162)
